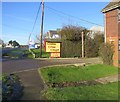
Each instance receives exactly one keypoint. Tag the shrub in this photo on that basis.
(106, 53)
(92, 45)
(90, 48)
(71, 40)
(11, 87)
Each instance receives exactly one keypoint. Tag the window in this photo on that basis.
(119, 14)
(119, 44)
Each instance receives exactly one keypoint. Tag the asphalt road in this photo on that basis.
(12, 66)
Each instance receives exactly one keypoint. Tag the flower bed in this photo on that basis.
(12, 88)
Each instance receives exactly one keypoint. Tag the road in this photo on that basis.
(12, 66)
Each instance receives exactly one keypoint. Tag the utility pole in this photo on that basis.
(41, 28)
(82, 44)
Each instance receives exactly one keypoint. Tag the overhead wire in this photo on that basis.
(86, 21)
(35, 21)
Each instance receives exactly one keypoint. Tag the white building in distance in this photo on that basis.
(96, 29)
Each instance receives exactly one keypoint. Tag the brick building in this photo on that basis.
(112, 28)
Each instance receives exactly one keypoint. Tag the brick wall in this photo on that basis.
(112, 32)
(119, 38)
(119, 58)
(112, 23)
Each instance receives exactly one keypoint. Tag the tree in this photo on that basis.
(72, 33)
(92, 45)
(14, 43)
(71, 40)
(106, 53)
(10, 42)
(2, 44)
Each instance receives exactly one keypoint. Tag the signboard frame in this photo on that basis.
(52, 47)
(53, 55)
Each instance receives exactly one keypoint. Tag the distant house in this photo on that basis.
(1, 43)
(112, 28)
(94, 30)
(37, 45)
(23, 46)
(53, 34)
(9, 46)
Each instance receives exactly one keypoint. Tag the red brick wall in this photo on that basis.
(119, 58)
(119, 38)
(112, 32)
(112, 23)
(119, 29)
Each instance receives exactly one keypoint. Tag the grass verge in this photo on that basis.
(58, 74)
(97, 92)
(16, 53)
(37, 53)
(72, 73)
(44, 54)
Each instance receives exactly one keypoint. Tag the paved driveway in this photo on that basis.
(11, 66)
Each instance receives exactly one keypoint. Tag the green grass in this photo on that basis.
(16, 53)
(73, 73)
(37, 53)
(28, 54)
(44, 54)
(0, 77)
(98, 92)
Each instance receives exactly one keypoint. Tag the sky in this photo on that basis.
(18, 17)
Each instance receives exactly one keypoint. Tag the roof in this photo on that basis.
(53, 31)
(53, 40)
(97, 29)
(114, 4)
(53, 34)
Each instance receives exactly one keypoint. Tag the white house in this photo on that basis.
(96, 29)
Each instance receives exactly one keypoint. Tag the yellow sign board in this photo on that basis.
(55, 55)
(52, 47)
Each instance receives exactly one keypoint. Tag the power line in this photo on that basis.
(72, 16)
(36, 17)
(35, 20)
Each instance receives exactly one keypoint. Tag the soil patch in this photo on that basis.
(73, 84)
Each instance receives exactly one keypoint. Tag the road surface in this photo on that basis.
(12, 66)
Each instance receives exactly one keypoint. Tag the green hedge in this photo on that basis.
(71, 48)
(106, 52)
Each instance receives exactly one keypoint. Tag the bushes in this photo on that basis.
(106, 52)
(92, 45)
(71, 49)
(11, 87)
(91, 49)
(72, 42)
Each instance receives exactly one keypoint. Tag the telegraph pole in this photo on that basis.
(82, 45)
(41, 28)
